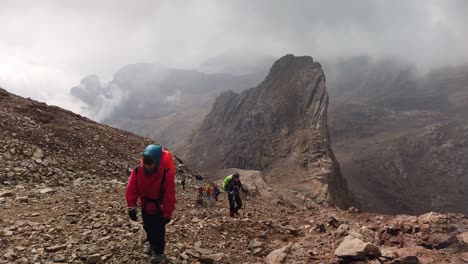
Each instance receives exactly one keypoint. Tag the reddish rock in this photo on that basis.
(439, 241)
(409, 260)
(464, 257)
(463, 238)
(409, 251)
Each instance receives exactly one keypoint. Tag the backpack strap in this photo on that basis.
(136, 177)
(161, 188)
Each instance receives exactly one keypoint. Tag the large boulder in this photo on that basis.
(279, 255)
(356, 249)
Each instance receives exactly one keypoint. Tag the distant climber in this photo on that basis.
(183, 181)
(232, 185)
(151, 186)
(201, 193)
(208, 191)
(216, 193)
(209, 195)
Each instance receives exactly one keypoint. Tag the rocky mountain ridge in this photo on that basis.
(279, 127)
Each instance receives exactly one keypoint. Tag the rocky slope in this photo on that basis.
(279, 127)
(62, 201)
(41, 143)
(400, 136)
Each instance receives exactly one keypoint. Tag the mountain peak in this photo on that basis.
(280, 125)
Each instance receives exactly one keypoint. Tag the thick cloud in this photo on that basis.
(100, 99)
(148, 91)
(47, 47)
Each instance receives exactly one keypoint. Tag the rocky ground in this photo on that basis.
(86, 222)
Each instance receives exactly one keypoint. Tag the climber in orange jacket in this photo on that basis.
(151, 186)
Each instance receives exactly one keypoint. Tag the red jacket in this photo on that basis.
(144, 190)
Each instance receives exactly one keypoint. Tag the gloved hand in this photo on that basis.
(132, 213)
(166, 220)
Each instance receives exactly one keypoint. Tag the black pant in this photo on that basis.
(156, 230)
(234, 198)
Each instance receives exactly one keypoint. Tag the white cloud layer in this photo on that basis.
(47, 47)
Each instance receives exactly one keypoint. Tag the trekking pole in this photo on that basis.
(245, 198)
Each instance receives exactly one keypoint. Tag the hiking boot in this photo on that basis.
(231, 214)
(148, 249)
(237, 212)
(159, 259)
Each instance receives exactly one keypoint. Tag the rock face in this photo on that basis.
(281, 125)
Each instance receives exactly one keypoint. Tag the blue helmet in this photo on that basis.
(154, 152)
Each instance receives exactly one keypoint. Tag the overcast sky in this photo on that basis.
(47, 47)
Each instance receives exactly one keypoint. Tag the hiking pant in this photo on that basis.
(156, 230)
(238, 202)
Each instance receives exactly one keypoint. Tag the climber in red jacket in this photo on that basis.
(151, 186)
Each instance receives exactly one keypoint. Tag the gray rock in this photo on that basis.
(47, 190)
(10, 255)
(93, 259)
(255, 243)
(184, 256)
(59, 259)
(257, 251)
(6, 233)
(279, 255)
(217, 257)
(38, 154)
(201, 250)
(463, 238)
(46, 162)
(6, 194)
(388, 253)
(354, 248)
(22, 199)
(355, 234)
(192, 253)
